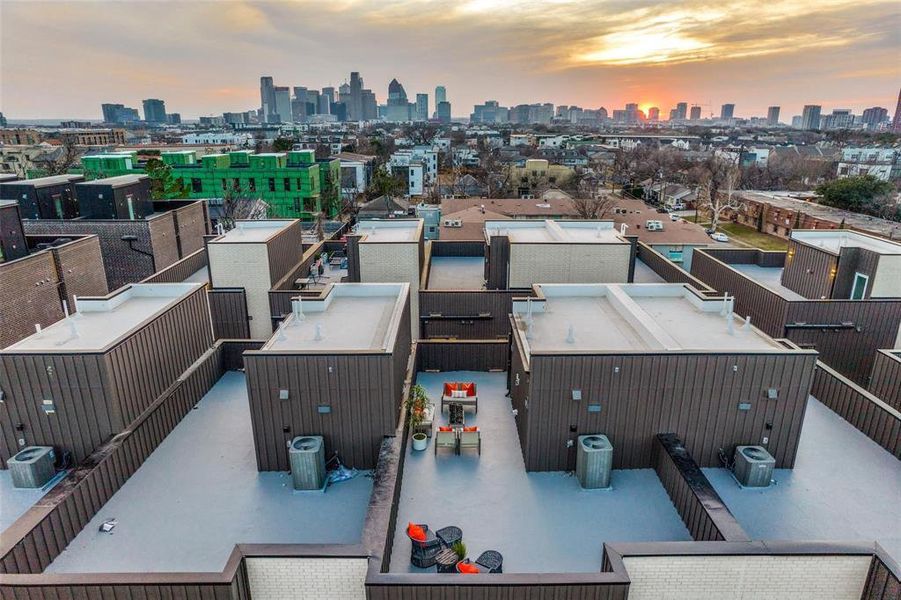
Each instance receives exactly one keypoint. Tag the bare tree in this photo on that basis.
(716, 193)
(240, 204)
(64, 158)
(593, 207)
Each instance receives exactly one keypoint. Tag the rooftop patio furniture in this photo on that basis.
(468, 567)
(446, 561)
(423, 553)
(470, 439)
(449, 535)
(428, 418)
(491, 560)
(445, 439)
(455, 415)
(463, 392)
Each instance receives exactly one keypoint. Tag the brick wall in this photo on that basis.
(80, 266)
(568, 263)
(773, 577)
(163, 239)
(307, 578)
(393, 263)
(192, 226)
(29, 294)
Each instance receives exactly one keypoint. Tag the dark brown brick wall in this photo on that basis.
(29, 294)
(80, 267)
(163, 239)
(191, 222)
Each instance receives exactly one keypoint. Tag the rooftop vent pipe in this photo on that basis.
(318, 337)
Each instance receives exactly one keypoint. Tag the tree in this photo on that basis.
(593, 207)
(719, 180)
(240, 204)
(862, 194)
(63, 159)
(164, 185)
(385, 183)
(421, 134)
(282, 144)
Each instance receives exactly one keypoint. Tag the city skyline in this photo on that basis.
(637, 53)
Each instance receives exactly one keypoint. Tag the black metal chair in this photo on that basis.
(449, 535)
(423, 553)
(491, 560)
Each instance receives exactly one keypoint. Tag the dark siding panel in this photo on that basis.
(455, 248)
(854, 260)
(885, 382)
(466, 315)
(228, 309)
(878, 421)
(285, 249)
(537, 591)
(808, 270)
(498, 261)
(353, 258)
(475, 355)
(882, 581)
(695, 396)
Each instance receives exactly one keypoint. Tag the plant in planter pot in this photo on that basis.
(459, 549)
(416, 404)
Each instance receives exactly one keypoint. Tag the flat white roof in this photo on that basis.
(348, 317)
(650, 317)
(253, 231)
(100, 322)
(549, 230)
(836, 239)
(388, 230)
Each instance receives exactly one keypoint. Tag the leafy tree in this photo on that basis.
(164, 185)
(384, 183)
(861, 194)
(282, 144)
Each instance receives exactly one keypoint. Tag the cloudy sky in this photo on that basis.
(63, 59)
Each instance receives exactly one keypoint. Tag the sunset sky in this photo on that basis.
(63, 59)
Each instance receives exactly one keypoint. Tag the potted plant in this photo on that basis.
(459, 549)
(416, 404)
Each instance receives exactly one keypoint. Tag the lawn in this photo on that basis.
(742, 234)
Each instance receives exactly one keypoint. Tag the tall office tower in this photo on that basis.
(772, 115)
(422, 107)
(369, 108)
(682, 111)
(443, 111)
(727, 111)
(329, 94)
(355, 106)
(299, 110)
(440, 95)
(810, 116)
(653, 114)
(111, 112)
(312, 101)
(874, 116)
(695, 113)
(282, 112)
(267, 97)
(154, 110)
(896, 122)
(326, 99)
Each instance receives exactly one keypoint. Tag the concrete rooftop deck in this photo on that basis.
(539, 522)
(14, 502)
(769, 277)
(200, 493)
(258, 232)
(844, 487)
(645, 274)
(457, 273)
(389, 230)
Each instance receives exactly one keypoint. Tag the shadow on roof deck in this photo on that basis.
(843, 487)
(200, 493)
(540, 522)
(769, 277)
(457, 273)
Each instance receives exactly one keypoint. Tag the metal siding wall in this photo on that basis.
(707, 519)
(498, 261)
(766, 308)
(885, 382)
(285, 249)
(353, 258)
(458, 248)
(536, 591)
(106, 591)
(181, 270)
(879, 422)
(476, 355)
(670, 272)
(695, 396)
(848, 351)
(496, 304)
(882, 583)
(228, 309)
(808, 272)
(38, 537)
(854, 260)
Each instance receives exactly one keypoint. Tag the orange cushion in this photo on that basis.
(468, 429)
(469, 388)
(448, 388)
(445, 429)
(465, 567)
(416, 532)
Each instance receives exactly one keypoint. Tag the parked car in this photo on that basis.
(709, 231)
(662, 210)
(654, 225)
(674, 217)
(677, 206)
(719, 236)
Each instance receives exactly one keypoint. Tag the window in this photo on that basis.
(297, 205)
(287, 184)
(252, 184)
(859, 289)
(196, 185)
(298, 184)
(224, 184)
(272, 184)
(236, 184)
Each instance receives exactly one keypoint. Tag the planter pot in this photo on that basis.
(420, 441)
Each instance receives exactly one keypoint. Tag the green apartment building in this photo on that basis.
(294, 184)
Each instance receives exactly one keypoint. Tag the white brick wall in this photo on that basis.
(393, 263)
(747, 577)
(307, 578)
(245, 266)
(568, 263)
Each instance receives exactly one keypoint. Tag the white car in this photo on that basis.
(674, 217)
(719, 236)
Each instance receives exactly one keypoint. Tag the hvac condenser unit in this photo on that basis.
(754, 466)
(307, 457)
(32, 467)
(594, 461)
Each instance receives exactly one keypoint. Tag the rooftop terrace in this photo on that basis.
(389, 230)
(539, 522)
(631, 317)
(843, 487)
(349, 317)
(545, 231)
(200, 493)
(457, 273)
(253, 231)
(834, 240)
(100, 322)
(14, 502)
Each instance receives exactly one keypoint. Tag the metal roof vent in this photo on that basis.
(318, 337)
